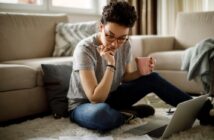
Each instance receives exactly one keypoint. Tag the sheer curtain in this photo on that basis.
(168, 9)
(147, 17)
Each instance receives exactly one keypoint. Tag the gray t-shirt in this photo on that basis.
(86, 56)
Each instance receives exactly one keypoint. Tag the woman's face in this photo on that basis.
(113, 35)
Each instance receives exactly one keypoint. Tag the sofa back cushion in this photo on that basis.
(68, 35)
(24, 36)
(192, 28)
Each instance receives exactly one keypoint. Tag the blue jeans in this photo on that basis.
(106, 116)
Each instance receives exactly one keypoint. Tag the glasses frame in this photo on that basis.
(110, 38)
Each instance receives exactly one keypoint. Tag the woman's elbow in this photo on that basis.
(96, 100)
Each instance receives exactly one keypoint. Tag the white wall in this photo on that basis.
(210, 5)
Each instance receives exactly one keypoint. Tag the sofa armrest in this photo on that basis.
(17, 77)
(145, 45)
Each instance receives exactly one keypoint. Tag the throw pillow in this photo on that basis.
(56, 82)
(69, 34)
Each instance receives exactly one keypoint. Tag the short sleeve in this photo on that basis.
(128, 53)
(83, 57)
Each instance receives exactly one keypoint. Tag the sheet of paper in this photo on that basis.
(85, 138)
(144, 137)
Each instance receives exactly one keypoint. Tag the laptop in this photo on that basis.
(183, 118)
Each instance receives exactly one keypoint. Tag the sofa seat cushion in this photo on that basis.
(168, 60)
(14, 77)
(36, 65)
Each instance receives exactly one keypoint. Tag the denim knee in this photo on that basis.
(107, 118)
(98, 116)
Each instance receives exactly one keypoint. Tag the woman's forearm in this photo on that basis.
(102, 90)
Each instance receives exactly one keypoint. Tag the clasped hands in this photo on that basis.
(107, 52)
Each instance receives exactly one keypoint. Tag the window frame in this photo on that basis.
(12, 6)
(47, 6)
(73, 10)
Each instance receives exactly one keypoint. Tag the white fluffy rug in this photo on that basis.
(47, 128)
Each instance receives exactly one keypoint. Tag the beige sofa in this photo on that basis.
(27, 41)
(168, 50)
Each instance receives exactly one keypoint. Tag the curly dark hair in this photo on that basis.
(119, 12)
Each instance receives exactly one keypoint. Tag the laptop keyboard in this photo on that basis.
(157, 133)
(149, 128)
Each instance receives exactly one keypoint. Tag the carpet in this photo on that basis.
(48, 128)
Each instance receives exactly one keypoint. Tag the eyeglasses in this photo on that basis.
(111, 38)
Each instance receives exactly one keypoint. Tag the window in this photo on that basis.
(32, 2)
(81, 4)
(22, 5)
(74, 6)
(67, 6)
